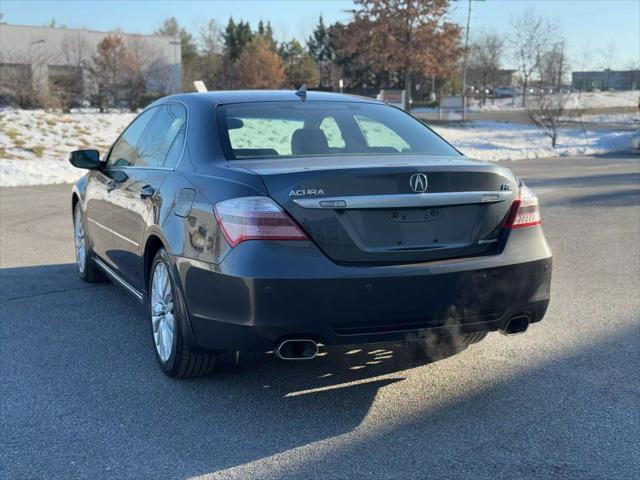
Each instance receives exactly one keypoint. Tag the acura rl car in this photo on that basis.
(280, 221)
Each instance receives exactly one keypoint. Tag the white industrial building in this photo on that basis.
(49, 55)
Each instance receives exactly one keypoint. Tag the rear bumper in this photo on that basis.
(263, 293)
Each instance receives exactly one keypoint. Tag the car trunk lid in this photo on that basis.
(392, 209)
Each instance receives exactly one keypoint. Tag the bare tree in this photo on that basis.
(211, 40)
(16, 84)
(486, 56)
(529, 40)
(548, 110)
(67, 82)
(608, 57)
(108, 69)
(209, 66)
(24, 76)
(145, 74)
(553, 66)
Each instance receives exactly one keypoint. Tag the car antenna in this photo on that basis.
(302, 92)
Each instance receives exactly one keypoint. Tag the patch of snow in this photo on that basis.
(493, 141)
(576, 100)
(15, 173)
(617, 118)
(35, 144)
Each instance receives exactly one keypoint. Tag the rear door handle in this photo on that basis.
(111, 185)
(147, 191)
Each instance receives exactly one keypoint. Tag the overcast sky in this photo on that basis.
(595, 29)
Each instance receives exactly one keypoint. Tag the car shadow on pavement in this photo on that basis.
(572, 416)
(82, 397)
(87, 396)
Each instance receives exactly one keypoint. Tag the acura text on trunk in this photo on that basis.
(280, 221)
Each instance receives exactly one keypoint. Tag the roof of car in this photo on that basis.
(249, 96)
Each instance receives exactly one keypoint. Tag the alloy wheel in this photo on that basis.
(81, 249)
(162, 314)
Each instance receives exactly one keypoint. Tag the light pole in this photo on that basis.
(177, 75)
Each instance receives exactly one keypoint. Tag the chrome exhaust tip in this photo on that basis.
(516, 325)
(297, 349)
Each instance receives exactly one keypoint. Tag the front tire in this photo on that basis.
(167, 317)
(87, 269)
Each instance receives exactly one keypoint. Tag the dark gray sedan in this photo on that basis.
(281, 221)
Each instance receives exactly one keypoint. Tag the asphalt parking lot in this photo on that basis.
(82, 397)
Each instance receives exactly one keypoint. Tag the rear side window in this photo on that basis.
(162, 142)
(300, 129)
(125, 151)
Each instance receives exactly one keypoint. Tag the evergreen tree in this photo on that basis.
(236, 37)
(320, 45)
(266, 32)
(299, 65)
(171, 28)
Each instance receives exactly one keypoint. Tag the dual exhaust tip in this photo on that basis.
(297, 349)
(307, 349)
(516, 325)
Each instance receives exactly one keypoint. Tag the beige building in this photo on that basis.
(49, 56)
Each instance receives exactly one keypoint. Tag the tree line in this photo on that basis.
(387, 44)
(392, 44)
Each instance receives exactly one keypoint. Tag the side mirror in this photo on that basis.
(89, 159)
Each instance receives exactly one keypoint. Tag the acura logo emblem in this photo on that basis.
(418, 182)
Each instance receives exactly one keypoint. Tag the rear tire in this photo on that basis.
(167, 317)
(87, 269)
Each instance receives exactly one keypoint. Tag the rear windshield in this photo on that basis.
(298, 129)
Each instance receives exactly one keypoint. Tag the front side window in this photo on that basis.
(299, 129)
(154, 139)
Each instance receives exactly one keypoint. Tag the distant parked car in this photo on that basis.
(257, 221)
(505, 92)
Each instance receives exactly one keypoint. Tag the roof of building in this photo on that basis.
(605, 71)
(45, 29)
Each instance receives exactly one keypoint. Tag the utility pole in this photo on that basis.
(465, 64)
(466, 58)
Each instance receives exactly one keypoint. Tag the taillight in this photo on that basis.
(525, 211)
(255, 218)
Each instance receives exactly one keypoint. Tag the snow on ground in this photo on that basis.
(494, 141)
(617, 118)
(35, 145)
(573, 100)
